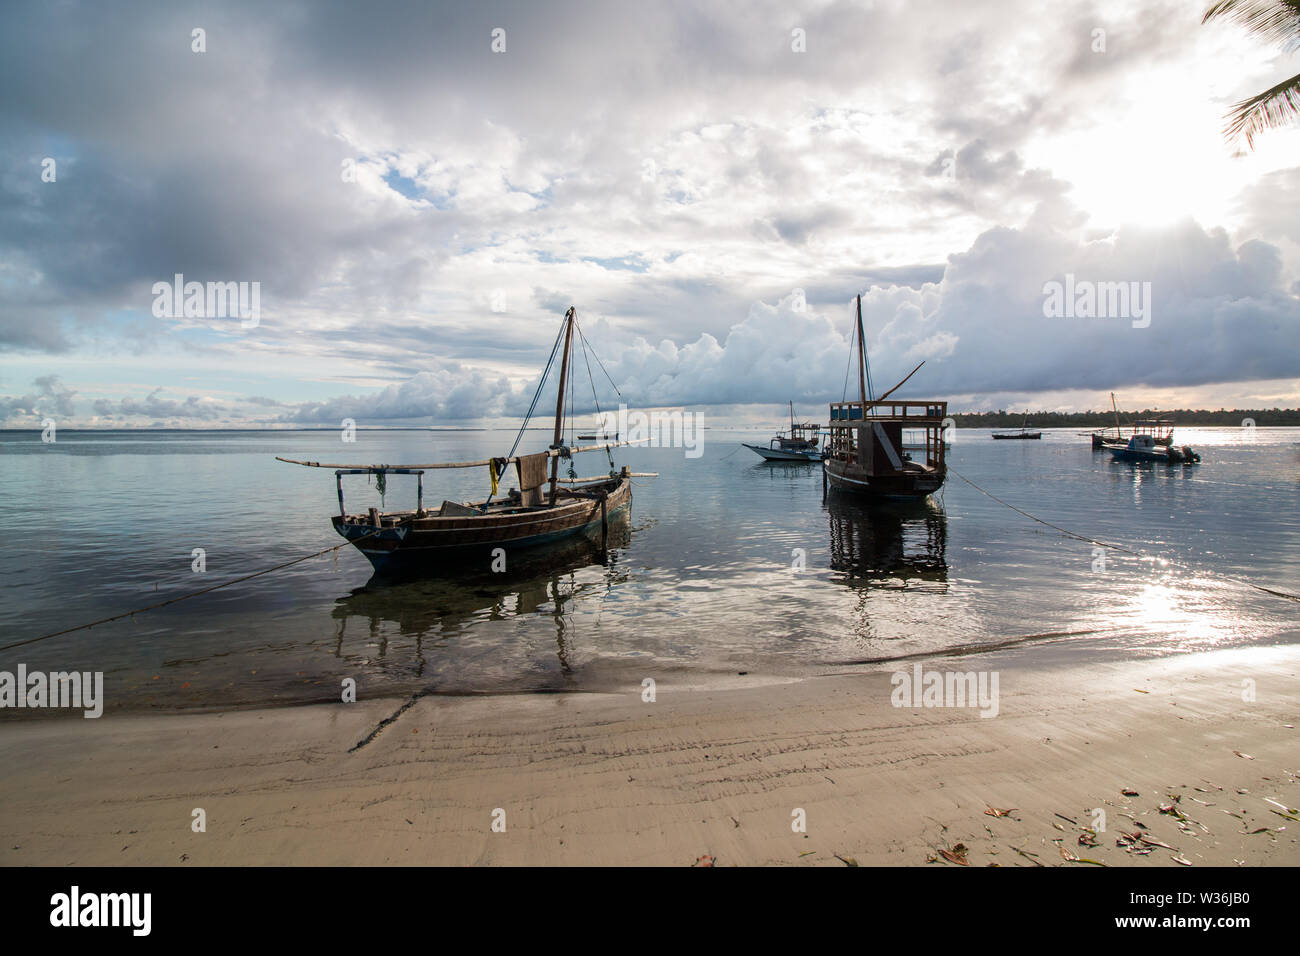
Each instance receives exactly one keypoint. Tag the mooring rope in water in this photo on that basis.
(1054, 527)
(192, 594)
(1119, 547)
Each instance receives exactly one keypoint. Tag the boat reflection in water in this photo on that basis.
(452, 623)
(887, 542)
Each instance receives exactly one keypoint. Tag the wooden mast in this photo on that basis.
(559, 400)
(792, 418)
(862, 356)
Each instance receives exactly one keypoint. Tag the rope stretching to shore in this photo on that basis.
(191, 594)
(1116, 547)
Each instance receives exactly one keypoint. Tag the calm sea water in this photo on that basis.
(727, 565)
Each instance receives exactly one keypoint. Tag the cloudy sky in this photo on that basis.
(421, 189)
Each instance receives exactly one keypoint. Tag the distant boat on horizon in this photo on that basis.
(1023, 434)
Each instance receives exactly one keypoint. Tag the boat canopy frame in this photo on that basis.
(1158, 427)
(383, 470)
(928, 415)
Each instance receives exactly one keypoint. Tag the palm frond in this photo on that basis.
(1268, 110)
(1275, 20)
(1278, 21)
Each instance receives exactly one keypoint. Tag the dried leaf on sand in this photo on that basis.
(956, 855)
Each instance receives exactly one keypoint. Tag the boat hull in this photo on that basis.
(904, 487)
(1123, 454)
(781, 454)
(1163, 456)
(431, 541)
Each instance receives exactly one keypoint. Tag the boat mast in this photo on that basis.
(792, 418)
(559, 399)
(862, 355)
(1116, 407)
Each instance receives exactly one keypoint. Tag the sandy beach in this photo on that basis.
(714, 772)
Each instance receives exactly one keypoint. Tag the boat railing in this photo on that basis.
(917, 413)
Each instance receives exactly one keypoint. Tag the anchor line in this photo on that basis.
(1119, 547)
(194, 594)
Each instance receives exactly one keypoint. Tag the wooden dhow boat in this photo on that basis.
(865, 454)
(542, 510)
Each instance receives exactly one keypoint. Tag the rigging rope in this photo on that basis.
(598, 362)
(573, 425)
(532, 407)
(609, 454)
(866, 360)
(848, 366)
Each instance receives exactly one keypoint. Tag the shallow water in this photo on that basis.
(726, 565)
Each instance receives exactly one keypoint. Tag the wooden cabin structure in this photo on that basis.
(868, 454)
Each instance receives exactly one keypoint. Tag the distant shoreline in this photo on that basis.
(1182, 417)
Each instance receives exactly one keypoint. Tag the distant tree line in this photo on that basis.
(1223, 418)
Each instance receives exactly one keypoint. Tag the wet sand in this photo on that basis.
(719, 772)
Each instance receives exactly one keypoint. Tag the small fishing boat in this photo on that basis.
(1143, 447)
(799, 445)
(1021, 434)
(540, 511)
(865, 454)
(1161, 430)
